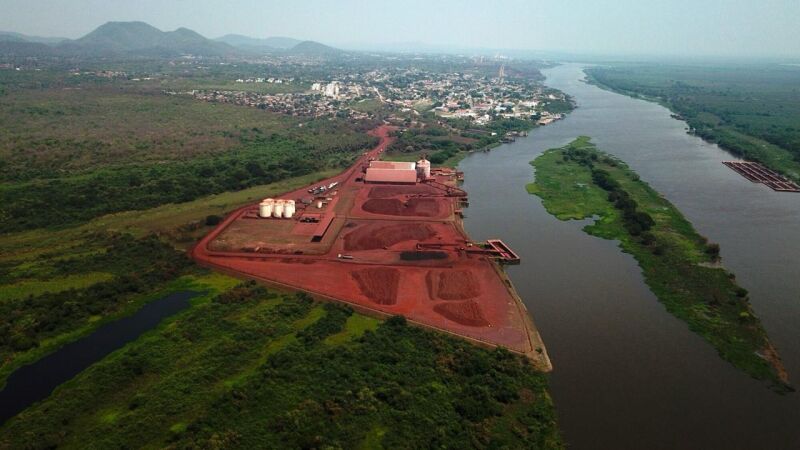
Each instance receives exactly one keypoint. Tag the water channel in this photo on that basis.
(627, 374)
(35, 382)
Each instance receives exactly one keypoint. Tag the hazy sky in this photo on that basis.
(672, 27)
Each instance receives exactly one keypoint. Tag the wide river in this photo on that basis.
(627, 374)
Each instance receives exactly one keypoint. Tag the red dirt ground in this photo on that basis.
(466, 313)
(452, 285)
(379, 284)
(393, 191)
(419, 207)
(373, 236)
(468, 296)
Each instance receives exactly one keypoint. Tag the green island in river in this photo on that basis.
(680, 266)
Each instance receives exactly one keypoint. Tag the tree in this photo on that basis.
(213, 220)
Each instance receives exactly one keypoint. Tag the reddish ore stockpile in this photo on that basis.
(452, 285)
(379, 284)
(373, 236)
(421, 207)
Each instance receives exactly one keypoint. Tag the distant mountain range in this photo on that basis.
(277, 42)
(142, 39)
(9, 36)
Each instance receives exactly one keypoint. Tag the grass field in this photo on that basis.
(751, 111)
(53, 132)
(679, 265)
(251, 368)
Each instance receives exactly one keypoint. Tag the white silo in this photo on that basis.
(265, 207)
(423, 169)
(288, 209)
(277, 211)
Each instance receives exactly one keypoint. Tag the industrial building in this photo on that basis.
(397, 172)
(392, 172)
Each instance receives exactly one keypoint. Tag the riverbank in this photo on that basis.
(680, 266)
(714, 116)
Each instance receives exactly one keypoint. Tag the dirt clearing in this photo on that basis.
(465, 313)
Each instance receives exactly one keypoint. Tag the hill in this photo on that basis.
(10, 36)
(281, 42)
(249, 43)
(16, 48)
(313, 48)
(141, 38)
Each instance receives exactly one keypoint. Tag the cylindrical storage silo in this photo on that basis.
(265, 209)
(277, 211)
(288, 209)
(423, 169)
(319, 204)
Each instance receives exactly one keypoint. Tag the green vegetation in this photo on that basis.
(68, 156)
(679, 265)
(60, 285)
(751, 111)
(449, 143)
(131, 268)
(251, 368)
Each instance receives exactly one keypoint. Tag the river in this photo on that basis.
(627, 374)
(34, 382)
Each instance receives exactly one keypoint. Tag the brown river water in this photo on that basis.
(627, 374)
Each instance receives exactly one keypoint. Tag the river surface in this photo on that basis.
(627, 374)
(32, 383)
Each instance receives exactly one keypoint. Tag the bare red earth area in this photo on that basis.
(467, 313)
(378, 235)
(384, 250)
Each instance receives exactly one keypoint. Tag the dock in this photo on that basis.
(506, 255)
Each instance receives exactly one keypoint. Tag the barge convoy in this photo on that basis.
(757, 173)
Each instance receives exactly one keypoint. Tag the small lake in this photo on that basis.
(35, 382)
(627, 374)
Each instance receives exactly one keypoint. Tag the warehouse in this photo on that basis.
(391, 172)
